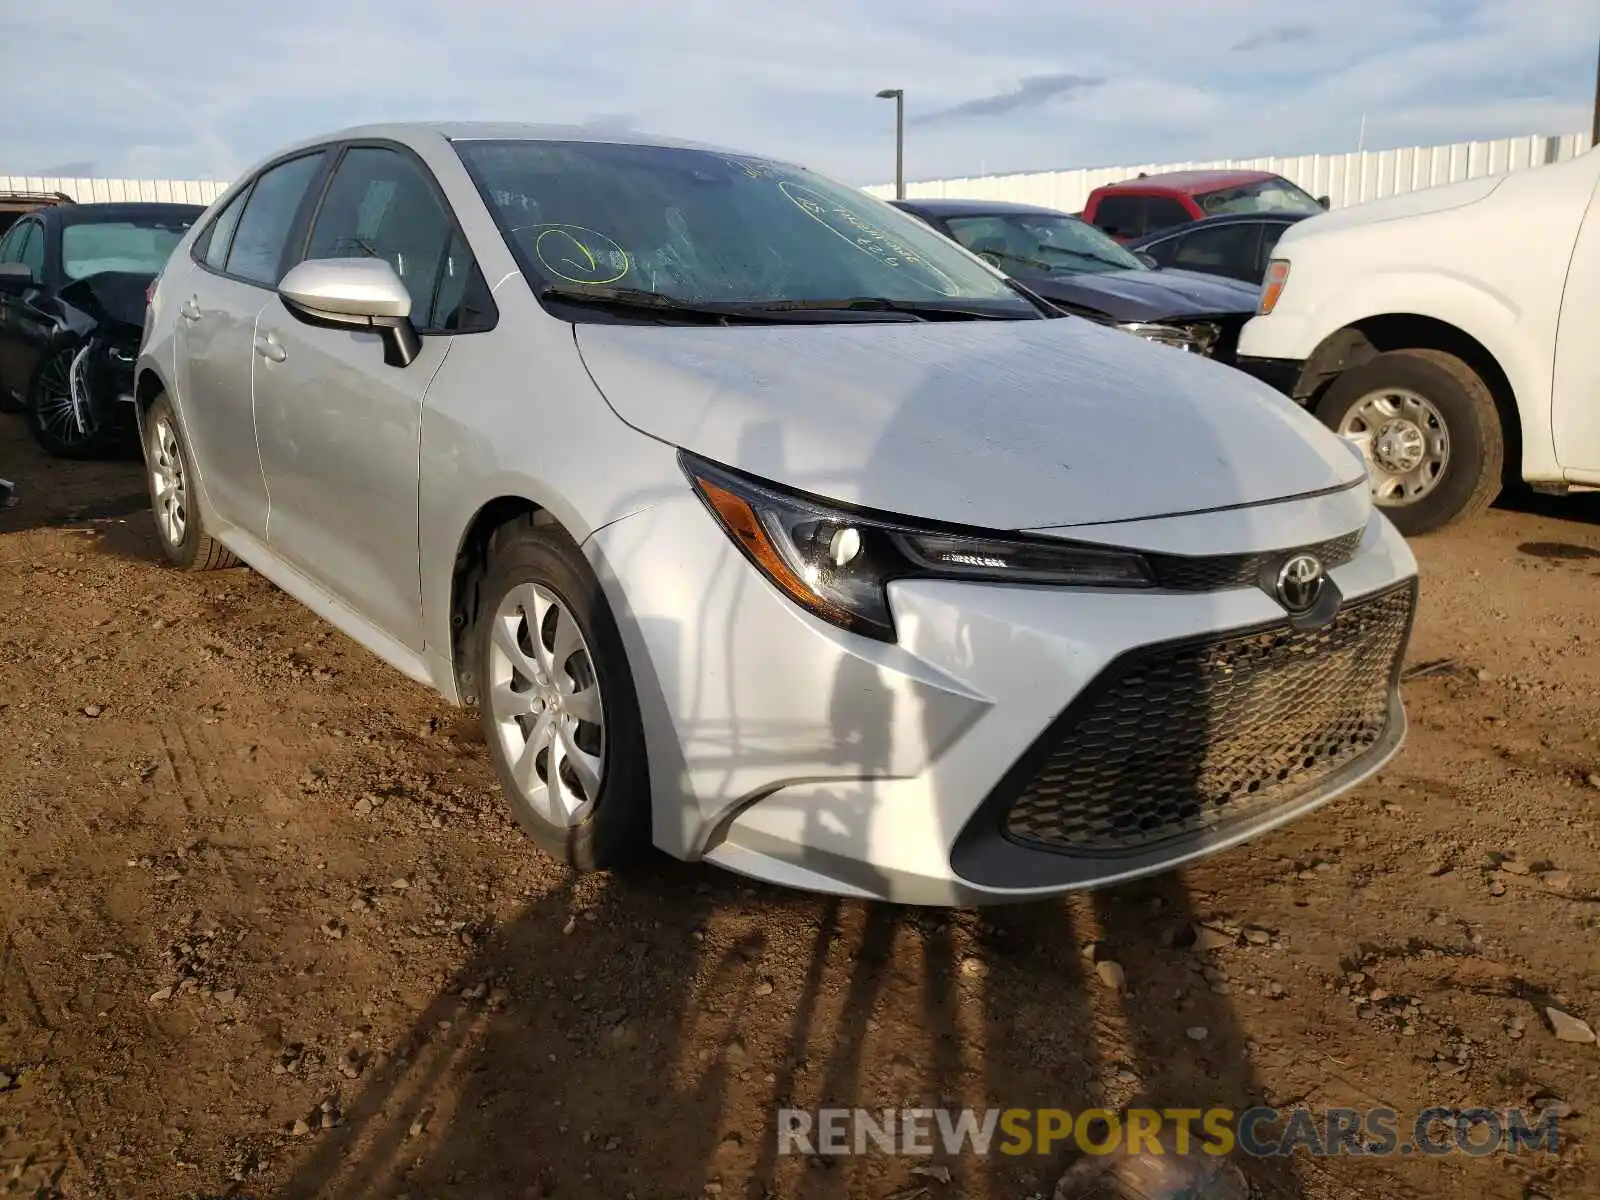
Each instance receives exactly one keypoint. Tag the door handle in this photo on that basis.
(189, 310)
(268, 346)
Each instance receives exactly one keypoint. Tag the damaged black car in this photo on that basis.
(73, 286)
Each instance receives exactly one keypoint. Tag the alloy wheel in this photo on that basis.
(544, 697)
(65, 411)
(168, 487)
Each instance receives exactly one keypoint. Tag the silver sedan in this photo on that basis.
(764, 525)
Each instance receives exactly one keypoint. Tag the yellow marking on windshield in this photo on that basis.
(578, 254)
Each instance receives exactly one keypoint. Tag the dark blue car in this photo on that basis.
(1234, 245)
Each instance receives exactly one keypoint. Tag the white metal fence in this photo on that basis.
(85, 191)
(1344, 178)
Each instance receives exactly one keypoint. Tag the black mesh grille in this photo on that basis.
(1221, 571)
(1180, 738)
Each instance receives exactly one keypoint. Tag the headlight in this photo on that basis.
(1197, 337)
(837, 564)
(1272, 287)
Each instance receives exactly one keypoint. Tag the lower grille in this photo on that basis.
(1175, 740)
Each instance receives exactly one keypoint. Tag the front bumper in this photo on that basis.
(1280, 373)
(790, 751)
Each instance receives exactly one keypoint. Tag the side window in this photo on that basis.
(1122, 216)
(1163, 212)
(1223, 251)
(1165, 250)
(382, 205)
(32, 252)
(218, 237)
(1271, 231)
(461, 299)
(269, 213)
(11, 244)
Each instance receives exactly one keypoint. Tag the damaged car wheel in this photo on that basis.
(64, 416)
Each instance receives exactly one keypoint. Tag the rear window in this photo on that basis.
(137, 246)
(1267, 195)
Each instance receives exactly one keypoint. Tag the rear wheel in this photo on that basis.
(557, 701)
(1430, 431)
(170, 473)
(64, 418)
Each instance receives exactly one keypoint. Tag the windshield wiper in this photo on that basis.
(928, 310)
(640, 299)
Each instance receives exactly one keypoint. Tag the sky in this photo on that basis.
(182, 92)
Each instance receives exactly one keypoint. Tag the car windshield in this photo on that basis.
(1267, 195)
(136, 245)
(1041, 243)
(686, 227)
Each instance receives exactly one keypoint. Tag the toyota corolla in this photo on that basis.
(761, 523)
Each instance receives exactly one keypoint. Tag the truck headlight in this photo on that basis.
(1272, 287)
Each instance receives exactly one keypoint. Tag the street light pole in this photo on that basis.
(1594, 137)
(898, 95)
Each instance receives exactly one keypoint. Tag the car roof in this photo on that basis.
(1195, 183)
(84, 214)
(1240, 218)
(462, 131)
(975, 208)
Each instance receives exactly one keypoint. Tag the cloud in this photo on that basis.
(1276, 35)
(794, 81)
(81, 169)
(1032, 92)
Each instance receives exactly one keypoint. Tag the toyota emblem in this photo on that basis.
(1300, 583)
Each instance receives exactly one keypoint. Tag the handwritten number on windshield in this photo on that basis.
(864, 236)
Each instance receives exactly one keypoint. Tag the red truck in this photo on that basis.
(1135, 207)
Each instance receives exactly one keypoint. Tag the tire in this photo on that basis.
(610, 827)
(1469, 473)
(185, 542)
(49, 416)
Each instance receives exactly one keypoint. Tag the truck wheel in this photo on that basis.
(1430, 432)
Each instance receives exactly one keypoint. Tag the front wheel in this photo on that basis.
(1429, 429)
(63, 415)
(557, 701)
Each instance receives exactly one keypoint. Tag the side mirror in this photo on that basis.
(15, 277)
(1147, 259)
(354, 293)
(1325, 201)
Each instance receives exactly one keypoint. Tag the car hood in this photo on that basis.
(1147, 295)
(111, 300)
(998, 424)
(1394, 208)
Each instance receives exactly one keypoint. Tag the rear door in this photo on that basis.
(1575, 398)
(1232, 251)
(239, 262)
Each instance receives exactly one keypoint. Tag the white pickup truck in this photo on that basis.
(1450, 332)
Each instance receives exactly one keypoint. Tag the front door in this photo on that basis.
(340, 431)
(1575, 398)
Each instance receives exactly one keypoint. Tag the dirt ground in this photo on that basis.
(269, 930)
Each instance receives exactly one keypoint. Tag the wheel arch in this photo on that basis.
(467, 572)
(1363, 340)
